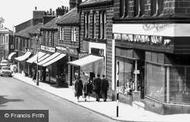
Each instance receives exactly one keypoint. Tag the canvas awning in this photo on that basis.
(54, 60)
(23, 57)
(49, 58)
(42, 58)
(11, 55)
(86, 60)
(34, 58)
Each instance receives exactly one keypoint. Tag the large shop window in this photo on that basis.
(125, 75)
(179, 84)
(155, 84)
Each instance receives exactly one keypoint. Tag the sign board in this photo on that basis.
(49, 49)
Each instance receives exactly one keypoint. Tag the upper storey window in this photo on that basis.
(138, 8)
(123, 8)
(156, 7)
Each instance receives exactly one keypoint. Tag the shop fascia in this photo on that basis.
(149, 39)
(48, 49)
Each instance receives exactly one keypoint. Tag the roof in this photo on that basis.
(72, 17)
(51, 24)
(92, 2)
(30, 30)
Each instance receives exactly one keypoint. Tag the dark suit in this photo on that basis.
(97, 88)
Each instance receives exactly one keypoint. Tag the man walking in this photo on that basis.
(97, 87)
(104, 88)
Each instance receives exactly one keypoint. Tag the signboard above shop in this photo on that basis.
(148, 39)
(49, 49)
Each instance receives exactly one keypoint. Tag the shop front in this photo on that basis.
(51, 64)
(21, 64)
(155, 57)
(91, 62)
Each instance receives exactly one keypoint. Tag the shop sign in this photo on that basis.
(49, 49)
(157, 27)
(148, 39)
(72, 51)
(61, 48)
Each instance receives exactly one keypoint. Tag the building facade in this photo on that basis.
(152, 52)
(96, 36)
(68, 41)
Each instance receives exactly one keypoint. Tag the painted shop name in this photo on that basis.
(142, 38)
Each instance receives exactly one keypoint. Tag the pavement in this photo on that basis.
(108, 109)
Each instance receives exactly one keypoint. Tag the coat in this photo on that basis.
(104, 85)
(78, 88)
(88, 88)
(97, 84)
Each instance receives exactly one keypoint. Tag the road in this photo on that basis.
(17, 95)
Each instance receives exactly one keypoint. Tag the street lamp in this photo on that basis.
(37, 75)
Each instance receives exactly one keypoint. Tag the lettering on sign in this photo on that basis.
(157, 27)
(117, 36)
(49, 49)
(61, 48)
(148, 39)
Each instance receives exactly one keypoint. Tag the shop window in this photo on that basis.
(155, 83)
(97, 52)
(179, 88)
(125, 76)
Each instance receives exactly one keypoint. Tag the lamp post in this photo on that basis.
(37, 75)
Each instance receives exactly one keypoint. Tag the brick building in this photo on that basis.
(152, 53)
(95, 38)
(68, 41)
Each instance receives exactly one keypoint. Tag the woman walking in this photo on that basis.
(78, 88)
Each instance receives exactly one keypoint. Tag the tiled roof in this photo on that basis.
(51, 24)
(72, 17)
(30, 30)
(89, 2)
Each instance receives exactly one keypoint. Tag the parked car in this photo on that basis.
(5, 71)
(4, 63)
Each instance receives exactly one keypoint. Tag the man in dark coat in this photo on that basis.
(97, 87)
(104, 88)
(78, 88)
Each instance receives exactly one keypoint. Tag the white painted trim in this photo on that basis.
(113, 64)
(171, 30)
(98, 46)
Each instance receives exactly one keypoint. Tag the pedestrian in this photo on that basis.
(78, 88)
(104, 87)
(97, 87)
(88, 87)
(33, 74)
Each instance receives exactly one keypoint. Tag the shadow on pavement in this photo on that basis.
(4, 100)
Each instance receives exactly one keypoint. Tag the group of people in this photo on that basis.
(97, 85)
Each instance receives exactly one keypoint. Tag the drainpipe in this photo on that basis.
(135, 75)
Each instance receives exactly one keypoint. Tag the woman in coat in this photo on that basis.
(78, 88)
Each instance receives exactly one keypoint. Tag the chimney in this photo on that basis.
(35, 8)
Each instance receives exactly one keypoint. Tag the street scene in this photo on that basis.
(95, 61)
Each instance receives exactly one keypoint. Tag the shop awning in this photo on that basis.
(46, 60)
(86, 60)
(34, 58)
(23, 57)
(54, 60)
(42, 58)
(11, 55)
